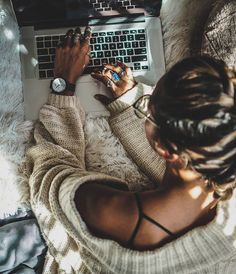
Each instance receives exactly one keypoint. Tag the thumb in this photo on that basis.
(103, 99)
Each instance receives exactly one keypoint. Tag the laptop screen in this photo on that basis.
(54, 12)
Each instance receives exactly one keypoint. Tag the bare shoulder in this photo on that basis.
(108, 212)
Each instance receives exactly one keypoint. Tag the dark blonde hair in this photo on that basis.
(195, 109)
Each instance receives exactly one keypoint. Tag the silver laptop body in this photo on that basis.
(135, 28)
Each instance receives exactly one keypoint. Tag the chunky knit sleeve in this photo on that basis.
(130, 131)
(59, 143)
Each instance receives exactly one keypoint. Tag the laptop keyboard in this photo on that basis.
(128, 46)
(102, 5)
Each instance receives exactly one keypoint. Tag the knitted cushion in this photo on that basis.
(219, 38)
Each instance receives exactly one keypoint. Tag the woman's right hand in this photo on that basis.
(118, 78)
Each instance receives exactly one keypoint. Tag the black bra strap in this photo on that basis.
(143, 215)
(130, 241)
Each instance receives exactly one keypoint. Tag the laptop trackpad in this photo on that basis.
(86, 90)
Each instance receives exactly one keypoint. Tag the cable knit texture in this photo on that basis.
(56, 168)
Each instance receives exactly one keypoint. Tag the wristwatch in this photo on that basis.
(59, 85)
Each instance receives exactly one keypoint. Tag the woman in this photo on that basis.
(185, 226)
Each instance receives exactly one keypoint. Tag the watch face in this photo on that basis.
(59, 85)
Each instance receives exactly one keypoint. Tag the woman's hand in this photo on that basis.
(73, 55)
(117, 77)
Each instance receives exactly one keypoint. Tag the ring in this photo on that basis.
(109, 83)
(122, 73)
(77, 37)
(115, 77)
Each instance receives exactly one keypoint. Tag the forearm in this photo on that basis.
(131, 133)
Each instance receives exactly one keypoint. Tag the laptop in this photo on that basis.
(124, 30)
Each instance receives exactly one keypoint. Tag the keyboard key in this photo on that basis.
(54, 43)
(97, 47)
(97, 5)
(130, 37)
(117, 32)
(46, 38)
(55, 37)
(50, 74)
(52, 51)
(100, 54)
(120, 45)
(105, 47)
(100, 9)
(110, 33)
(126, 3)
(92, 54)
(107, 54)
(46, 66)
(133, 31)
(127, 45)
(135, 44)
(40, 45)
(141, 31)
(108, 39)
(142, 44)
(39, 38)
(130, 52)
(112, 46)
(104, 61)
(127, 59)
(102, 34)
(97, 62)
(119, 59)
(140, 37)
(53, 58)
(93, 41)
(115, 38)
(42, 74)
(122, 52)
(140, 51)
(42, 51)
(137, 68)
(139, 58)
(94, 34)
(48, 44)
(112, 60)
(137, 64)
(125, 31)
(123, 38)
(42, 59)
(145, 67)
(100, 40)
(115, 53)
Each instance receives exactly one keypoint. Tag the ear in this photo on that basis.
(165, 153)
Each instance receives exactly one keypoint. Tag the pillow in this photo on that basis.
(219, 38)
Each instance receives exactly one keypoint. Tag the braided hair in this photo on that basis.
(195, 108)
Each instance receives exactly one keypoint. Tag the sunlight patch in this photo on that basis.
(9, 34)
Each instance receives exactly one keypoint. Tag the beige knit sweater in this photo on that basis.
(56, 168)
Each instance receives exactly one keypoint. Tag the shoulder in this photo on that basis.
(108, 212)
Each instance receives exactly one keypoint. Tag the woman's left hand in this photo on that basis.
(117, 77)
(73, 55)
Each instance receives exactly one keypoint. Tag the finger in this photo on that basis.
(104, 79)
(68, 38)
(117, 69)
(125, 69)
(87, 35)
(77, 36)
